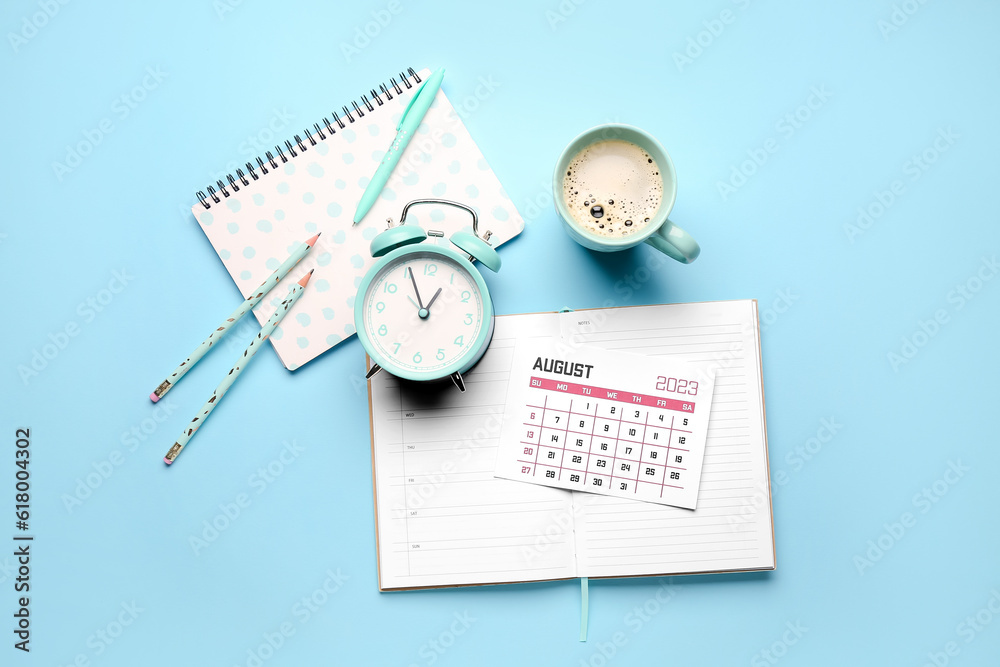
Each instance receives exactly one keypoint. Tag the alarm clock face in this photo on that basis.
(424, 314)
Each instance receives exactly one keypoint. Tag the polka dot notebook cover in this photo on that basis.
(313, 182)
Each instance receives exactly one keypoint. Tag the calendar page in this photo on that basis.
(614, 423)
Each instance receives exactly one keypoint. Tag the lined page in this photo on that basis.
(731, 528)
(442, 517)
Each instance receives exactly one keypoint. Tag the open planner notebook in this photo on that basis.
(443, 519)
(313, 182)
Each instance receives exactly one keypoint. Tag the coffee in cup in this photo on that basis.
(612, 188)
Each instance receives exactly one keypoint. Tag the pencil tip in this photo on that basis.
(311, 242)
(305, 278)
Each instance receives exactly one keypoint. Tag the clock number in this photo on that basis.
(397, 348)
(466, 294)
(380, 306)
(460, 340)
(440, 354)
(382, 330)
(430, 269)
(417, 358)
(390, 288)
(468, 318)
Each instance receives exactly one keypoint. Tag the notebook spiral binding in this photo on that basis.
(380, 97)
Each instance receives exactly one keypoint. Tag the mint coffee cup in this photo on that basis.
(614, 186)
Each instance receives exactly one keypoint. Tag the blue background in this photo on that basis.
(835, 304)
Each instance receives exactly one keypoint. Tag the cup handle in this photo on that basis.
(675, 243)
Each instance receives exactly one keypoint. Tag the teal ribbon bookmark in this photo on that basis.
(584, 603)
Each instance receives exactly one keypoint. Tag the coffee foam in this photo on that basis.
(612, 188)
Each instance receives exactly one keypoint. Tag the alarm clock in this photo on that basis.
(423, 311)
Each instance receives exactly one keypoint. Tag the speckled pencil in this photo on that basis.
(258, 342)
(233, 318)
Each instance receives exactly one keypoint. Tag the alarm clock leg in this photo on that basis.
(372, 371)
(459, 382)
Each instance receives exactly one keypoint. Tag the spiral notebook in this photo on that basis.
(312, 183)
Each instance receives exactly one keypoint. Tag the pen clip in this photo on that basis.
(413, 99)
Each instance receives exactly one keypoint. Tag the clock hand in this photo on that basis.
(415, 290)
(428, 306)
